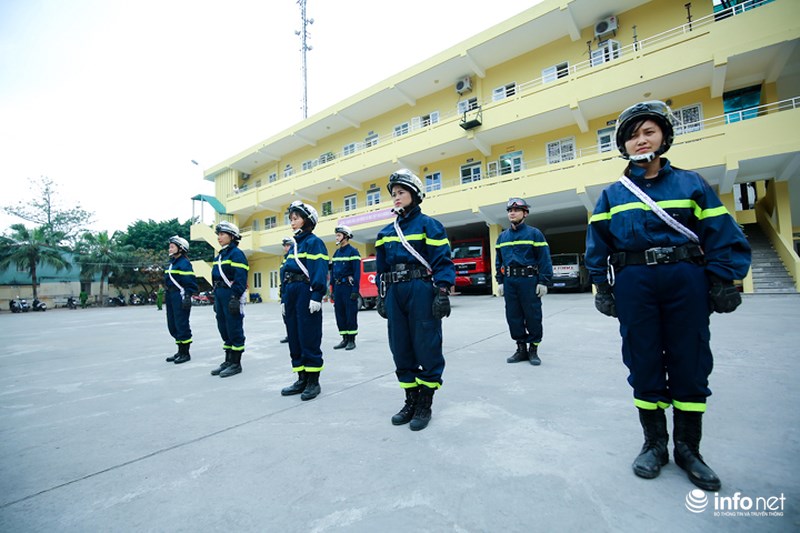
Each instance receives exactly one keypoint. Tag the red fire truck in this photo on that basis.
(367, 289)
(473, 264)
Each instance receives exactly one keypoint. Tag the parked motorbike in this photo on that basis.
(203, 298)
(135, 299)
(19, 305)
(39, 305)
(116, 301)
(255, 298)
(72, 302)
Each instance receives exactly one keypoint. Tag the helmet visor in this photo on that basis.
(517, 203)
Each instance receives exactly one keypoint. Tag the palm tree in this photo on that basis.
(100, 254)
(28, 249)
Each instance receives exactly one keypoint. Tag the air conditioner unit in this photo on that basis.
(464, 85)
(605, 26)
(245, 177)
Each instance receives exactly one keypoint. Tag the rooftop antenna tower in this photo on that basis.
(304, 47)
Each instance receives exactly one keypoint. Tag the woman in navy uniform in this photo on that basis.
(345, 281)
(663, 280)
(415, 274)
(229, 276)
(181, 285)
(305, 275)
(523, 271)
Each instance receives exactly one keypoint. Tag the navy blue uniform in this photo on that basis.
(304, 327)
(180, 269)
(415, 336)
(664, 308)
(346, 279)
(230, 325)
(524, 246)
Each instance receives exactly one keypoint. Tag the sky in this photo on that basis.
(114, 99)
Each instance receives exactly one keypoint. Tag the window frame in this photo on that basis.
(351, 198)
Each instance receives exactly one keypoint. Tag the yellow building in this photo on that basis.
(527, 108)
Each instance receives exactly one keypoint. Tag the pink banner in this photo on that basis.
(366, 217)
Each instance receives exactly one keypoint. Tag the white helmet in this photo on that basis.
(655, 110)
(228, 227)
(305, 211)
(344, 230)
(410, 181)
(180, 242)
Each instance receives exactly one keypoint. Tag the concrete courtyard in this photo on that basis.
(98, 433)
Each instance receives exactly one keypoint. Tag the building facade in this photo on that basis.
(527, 108)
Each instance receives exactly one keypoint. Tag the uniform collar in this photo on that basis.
(636, 173)
(410, 213)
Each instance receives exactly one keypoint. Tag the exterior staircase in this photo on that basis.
(769, 274)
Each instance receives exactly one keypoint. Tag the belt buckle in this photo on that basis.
(654, 256)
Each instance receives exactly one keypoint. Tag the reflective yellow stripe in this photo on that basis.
(354, 332)
(182, 272)
(413, 237)
(351, 258)
(713, 212)
(237, 348)
(649, 406)
(184, 342)
(428, 384)
(514, 243)
(408, 385)
(690, 406)
(234, 265)
(316, 369)
(600, 216)
(665, 204)
(304, 255)
(300, 368)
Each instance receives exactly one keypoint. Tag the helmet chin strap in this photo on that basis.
(643, 158)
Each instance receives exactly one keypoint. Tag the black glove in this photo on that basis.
(186, 302)
(441, 303)
(354, 296)
(233, 305)
(604, 300)
(381, 307)
(722, 295)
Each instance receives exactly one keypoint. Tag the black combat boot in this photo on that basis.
(183, 354)
(297, 387)
(235, 366)
(405, 414)
(687, 432)
(224, 364)
(520, 355)
(422, 410)
(341, 344)
(654, 452)
(351, 342)
(171, 358)
(312, 386)
(285, 340)
(533, 355)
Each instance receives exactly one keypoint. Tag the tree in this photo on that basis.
(100, 254)
(59, 226)
(146, 271)
(154, 236)
(28, 249)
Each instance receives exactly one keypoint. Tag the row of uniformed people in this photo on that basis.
(662, 261)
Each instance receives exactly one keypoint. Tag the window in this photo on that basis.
(286, 221)
(288, 171)
(506, 91)
(741, 104)
(555, 72)
(607, 51)
(272, 177)
(401, 129)
(688, 119)
(348, 149)
(256, 280)
(308, 165)
(467, 105)
(492, 169)
(274, 279)
(371, 140)
(350, 202)
(433, 182)
(270, 222)
(327, 157)
(373, 197)
(511, 162)
(606, 140)
(424, 121)
(563, 150)
(327, 208)
(470, 173)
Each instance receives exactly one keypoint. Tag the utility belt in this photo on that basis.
(402, 272)
(289, 277)
(173, 289)
(219, 284)
(530, 271)
(659, 256)
(343, 281)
